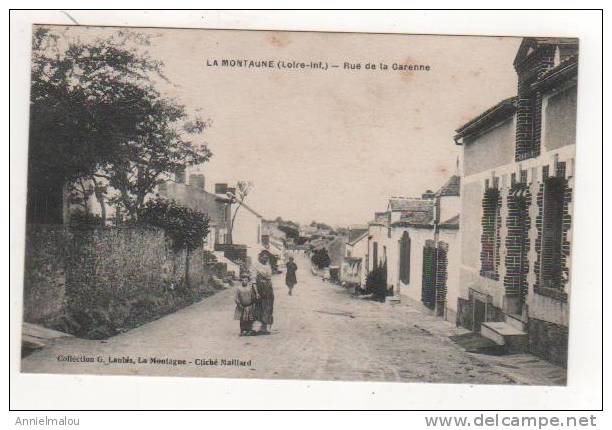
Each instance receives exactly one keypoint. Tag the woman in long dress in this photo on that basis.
(264, 306)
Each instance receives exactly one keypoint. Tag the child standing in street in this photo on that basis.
(244, 298)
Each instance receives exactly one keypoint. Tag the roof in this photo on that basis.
(415, 212)
(494, 114)
(381, 218)
(506, 108)
(355, 235)
(451, 188)
(451, 223)
(563, 72)
(400, 204)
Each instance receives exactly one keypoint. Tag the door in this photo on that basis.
(480, 312)
(404, 268)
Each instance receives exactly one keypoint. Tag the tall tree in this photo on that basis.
(96, 115)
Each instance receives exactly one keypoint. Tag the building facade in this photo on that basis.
(247, 229)
(194, 195)
(516, 205)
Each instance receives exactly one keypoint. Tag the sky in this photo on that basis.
(332, 145)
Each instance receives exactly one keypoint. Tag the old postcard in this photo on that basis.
(299, 205)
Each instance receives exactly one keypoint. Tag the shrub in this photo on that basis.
(376, 282)
(84, 220)
(320, 258)
(186, 227)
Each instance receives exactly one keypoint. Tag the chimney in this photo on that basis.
(197, 180)
(179, 176)
(428, 195)
(220, 189)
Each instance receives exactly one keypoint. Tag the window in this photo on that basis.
(552, 244)
(405, 258)
(490, 239)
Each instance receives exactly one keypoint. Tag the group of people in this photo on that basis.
(255, 300)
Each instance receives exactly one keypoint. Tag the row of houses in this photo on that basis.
(490, 249)
(236, 230)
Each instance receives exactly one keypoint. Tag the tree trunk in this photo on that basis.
(100, 197)
(187, 280)
(230, 235)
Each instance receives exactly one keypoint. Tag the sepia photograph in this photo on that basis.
(299, 205)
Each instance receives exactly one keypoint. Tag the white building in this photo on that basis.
(247, 228)
(353, 272)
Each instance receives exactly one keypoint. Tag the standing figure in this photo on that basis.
(244, 298)
(290, 278)
(264, 306)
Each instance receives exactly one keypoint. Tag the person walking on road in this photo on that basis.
(244, 298)
(264, 306)
(290, 277)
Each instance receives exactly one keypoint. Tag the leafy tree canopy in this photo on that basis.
(96, 113)
(186, 227)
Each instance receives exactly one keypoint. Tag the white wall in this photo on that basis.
(418, 236)
(449, 207)
(453, 286)
(247, 231)
(359, 250)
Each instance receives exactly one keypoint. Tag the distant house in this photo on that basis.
(216, 206)
(353, 270)
(412, 224)
(417, 241)
(270, 228)
(238, 245)
(516, 204)
(379, 237)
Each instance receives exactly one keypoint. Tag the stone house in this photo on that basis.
(516, 205)
(194, 195)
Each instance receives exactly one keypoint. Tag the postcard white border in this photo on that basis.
(114, 392)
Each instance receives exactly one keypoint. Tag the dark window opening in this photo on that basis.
(435, 274)
(405, 258)
(375, 255)
(490, 240)
(551, 260)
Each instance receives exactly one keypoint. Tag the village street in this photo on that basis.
(321, 332)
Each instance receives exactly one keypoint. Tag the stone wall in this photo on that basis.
(548, 340)
(44, 281)
(96, 283)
